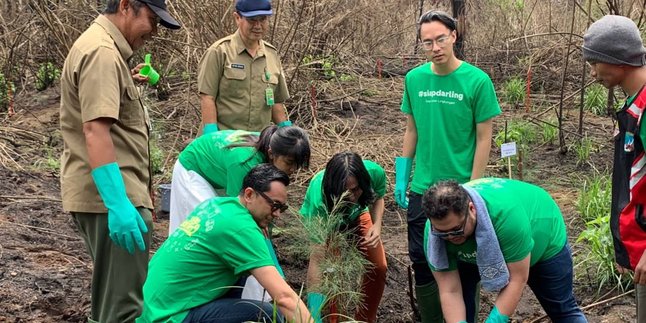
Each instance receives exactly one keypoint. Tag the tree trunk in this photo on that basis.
(459, 13)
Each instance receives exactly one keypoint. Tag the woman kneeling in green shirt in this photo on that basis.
(220, 160)
(362, 184)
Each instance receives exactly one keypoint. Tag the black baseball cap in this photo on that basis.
(159, 7)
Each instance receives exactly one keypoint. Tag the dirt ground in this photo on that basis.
(45, 271)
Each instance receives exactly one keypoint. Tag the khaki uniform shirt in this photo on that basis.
(95, 83)
(238, 82)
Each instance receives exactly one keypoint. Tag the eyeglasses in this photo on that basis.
(455, 233)
(275, 205)
(441, 42)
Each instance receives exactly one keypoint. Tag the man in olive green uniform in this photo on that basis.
(105, 177)
(241, 81)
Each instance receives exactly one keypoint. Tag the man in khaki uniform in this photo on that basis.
(241, 81)
(105, 176)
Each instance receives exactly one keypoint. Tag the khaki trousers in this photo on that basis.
(118, 277)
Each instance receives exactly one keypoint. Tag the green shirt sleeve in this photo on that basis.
(377, 177)
(238, 167)
(486, 101)
(514, 233)
(246, 250)
(235, 175)
(313, 204)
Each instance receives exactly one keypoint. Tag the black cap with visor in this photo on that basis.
(159, 8)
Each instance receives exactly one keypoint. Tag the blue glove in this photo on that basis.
(402, 174)
(124, 221)
(496, 317)
(209, 128)
(285, 123)
(315, 303)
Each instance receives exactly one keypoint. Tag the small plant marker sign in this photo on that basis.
(507, 150)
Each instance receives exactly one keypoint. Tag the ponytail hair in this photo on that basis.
(290, 141)
(263, 143)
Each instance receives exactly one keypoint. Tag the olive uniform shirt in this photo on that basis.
(238, 82)
(96, 83)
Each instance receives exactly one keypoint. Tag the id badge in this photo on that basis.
(269, 96)
(629, 142)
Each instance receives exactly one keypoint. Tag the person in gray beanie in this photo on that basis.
(614, 40)
(613, 47)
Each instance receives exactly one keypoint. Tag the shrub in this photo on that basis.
(598, 257)
(156, 157)
(513, 91)
(326, 65)
(583, 150)
(50, 162)
(7, 90)
(594, 197)
(522, 132)
(47, 74)
(595, 98)
(549, 132)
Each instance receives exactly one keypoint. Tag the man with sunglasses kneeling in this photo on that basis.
(194, 276)
(504, 234)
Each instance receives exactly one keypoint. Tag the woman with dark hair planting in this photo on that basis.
(220, 160)
(359, 187)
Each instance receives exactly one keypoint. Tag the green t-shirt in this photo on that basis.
(525, 217)
(210, 251)
(446, 109)
(223, 167)
(314, 202)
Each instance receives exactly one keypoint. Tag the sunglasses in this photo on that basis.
(275, 205)
(455, 233)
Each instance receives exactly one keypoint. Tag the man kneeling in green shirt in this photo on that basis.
(193, 275)
(506, 234)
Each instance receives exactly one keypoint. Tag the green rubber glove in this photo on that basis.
(403, 166)
(315, 303)
(496, 317)
(285, 123)
(463, 322)
(124, 221)
(209, 128)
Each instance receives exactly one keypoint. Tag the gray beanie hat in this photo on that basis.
(614, 40)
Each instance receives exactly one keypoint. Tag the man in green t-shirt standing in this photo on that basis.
(506, 233)
(450, 105)
(191, 276)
